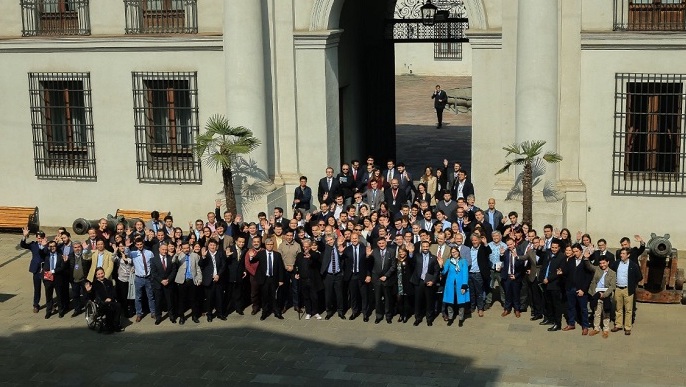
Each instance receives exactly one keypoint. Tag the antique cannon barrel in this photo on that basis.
(659, 246)
(82, 225)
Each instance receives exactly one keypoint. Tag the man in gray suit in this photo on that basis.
(382, 276)
(374, 196)
(189, 279)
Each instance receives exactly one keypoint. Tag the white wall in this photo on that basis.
(418, 59)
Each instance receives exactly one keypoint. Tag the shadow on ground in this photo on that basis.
(421, 145)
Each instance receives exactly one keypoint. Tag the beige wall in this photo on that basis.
(418, 59)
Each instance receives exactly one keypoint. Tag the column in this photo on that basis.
(537, 72)
(246, 88)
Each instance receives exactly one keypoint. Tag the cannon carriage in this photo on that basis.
(663, 281)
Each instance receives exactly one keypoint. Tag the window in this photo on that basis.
(161, 17)
(445, 50)
(62, 123)
(166, 123)
(650, 15)
(55, 17)
(649, 140)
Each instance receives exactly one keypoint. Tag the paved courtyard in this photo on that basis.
(487, 351)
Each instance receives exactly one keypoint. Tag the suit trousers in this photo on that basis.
(536, 297)
(333, 285)
(233, 296)
(310, 297)
(166, 294)
(577, 306)
(188, 298)
(214, 299)
(439, 115)
(78, 295)
(495, 280)
(554, 306)
(359, 294)
(602, 308)
(37, 280)
(144, 284)
(382, 298)
(624, 308)
(51, 287)
(294, 299)
(269, 297)
(512, 294)
(404, 305)
(423, 297)
(255, 291)
(476, 290)
(524, 300)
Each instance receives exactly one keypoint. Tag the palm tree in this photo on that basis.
(220, 146)
(527, 154)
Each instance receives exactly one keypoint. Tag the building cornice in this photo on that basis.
(629, 40)
(121, 43)
(316, 39)
(485, 39)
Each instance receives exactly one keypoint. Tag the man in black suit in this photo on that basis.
(328, 187)
(389, 173)
(55, 268)
(270, 274)
(551, 277)
(479, 271)
(163, 273)
(462, 187)
(346, 182)
(332, 271)
(602, 252)
(578, 273)
(382, 270)
(440, 99)
(511, 274)
(635, 252)
(355, 275)
(213, 264)
(424, 277)
(395, 197)
(234, 275)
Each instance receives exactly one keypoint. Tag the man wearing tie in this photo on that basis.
(328, 187)
(188, 278)
(374, 196)
(424, 276)
(54, 268)
(356, 277)
(163, 273)
(213, 263)
(332, 271)
(235, 273)
(440, 99)
(390, 172)
(383, 268)
(270, 274)
(141, 262)
(511, 278)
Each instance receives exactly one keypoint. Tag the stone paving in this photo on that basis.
(487, 351)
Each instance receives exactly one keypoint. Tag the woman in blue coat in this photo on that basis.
(456, 292)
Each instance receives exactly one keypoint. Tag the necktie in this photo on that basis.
(328, 181)
(354, 259)
(440, 251)
(53, 261)
(145, 263)
(513, 256)
(214, 265)
(547, 270)
(188, 267)
(238, 254)
(164, 263)
(269, 265)
(425, 266)
(334, 262)
(355, 174)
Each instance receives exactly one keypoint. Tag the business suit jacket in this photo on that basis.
(61, 267)
(519, 268)
(374, 200)
(634, 274)
(208, 269)
(159, 273)
(349, 261)
(196, 271)
(578, 277)
(610, 282)
(323, 187)
(107, 263)
(235, 265)
(395, 204)
(532, 256)
(279, 269)
(483, 261)
(595, 258)
(309, 269)
(635, 253)
(326, 260)
(440, 96)
(305, 197)
(554, 262)
(433, 270)
(387, 181)
(380, 266)
(467, 189)
(36, 258)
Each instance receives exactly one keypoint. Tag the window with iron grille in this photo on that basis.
(62, 125)
(166, 123)
(55, 17)
(650, 15)
(161, 16)
(649, 141)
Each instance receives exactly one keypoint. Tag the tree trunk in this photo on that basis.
(229, 194)
(527, 194)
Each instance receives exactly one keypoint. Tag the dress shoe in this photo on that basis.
(569, 328)
(554, 328)
(450, 322)
(584, 331)
(153, 316)
(460, 323)
(341, 315)
(279, 316)
(365, 318)
(505, 313)
(35, 309)
(627, 333)
(405, 319)
(481, 313)
(221, 317)
(240, 312)
(173, 320)
(139, 318)
(353, 316)
(378, 320)
(196, 320)
(518, 314)
(182, 320)
(546, 322)
(158, 321)
(118, 329)
(534, 318)
(263, 317)
(416, 322)
(615, 329)
(61, 314)
(400, 319)
(429, 322)
(254, 312)
(328, 316)
(47, 315)
(76, 313)
(209, 318)
(389, 320)
(605, 334)
(593, 333)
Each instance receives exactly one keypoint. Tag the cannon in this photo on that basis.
(82, 225)
(663, 281)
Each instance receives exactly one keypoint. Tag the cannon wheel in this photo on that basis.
(683, 298)
(680, 279)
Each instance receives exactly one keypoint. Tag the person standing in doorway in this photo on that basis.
(440, 98)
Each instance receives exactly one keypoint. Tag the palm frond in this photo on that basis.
(552, 157)
(532, 148)
(505, 168)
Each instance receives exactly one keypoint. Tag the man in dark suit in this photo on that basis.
(302, 197)
(332, 271)
(270, 274)
(551, 277)
(511, 276)
(395, 197)
(328, 187)
(35, 266)
(355, 275)
(463, 187)
(374, 196)
(635, 252)
(346, 182)
(234, 275)
(440, 99)
(382, 270)
(536, 257)
(480, 221)
(424, 277)
(163, 273)
(578, 273)
(213, 264)
(628, 276)
(389, 173)
(602, 252)
(55, 267)
(479, 271)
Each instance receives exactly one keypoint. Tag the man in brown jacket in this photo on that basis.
(602, 286)
(289, 249)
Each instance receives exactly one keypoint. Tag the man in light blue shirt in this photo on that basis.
(141, 264)
(498, 248)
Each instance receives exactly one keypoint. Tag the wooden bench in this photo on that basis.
(139, 214)
(19, 217)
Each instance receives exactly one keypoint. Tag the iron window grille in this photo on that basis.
(62, 126)
(649, 141)
(166, 124)
(450, 51)
(649, 15)
(55, 17)
(161, 16)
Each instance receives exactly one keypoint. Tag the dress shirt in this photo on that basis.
(474, 252)
(425, 265)
(189, 275)
(490, 218)
(494, 257)
(100, 259)
(53, 262)
(601, 281)
(137, 257)
(214, 264)
(623, 274)
(334, 256)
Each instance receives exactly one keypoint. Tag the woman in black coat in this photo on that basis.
(307, 266)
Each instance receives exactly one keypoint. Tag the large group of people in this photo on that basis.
(378, 246)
